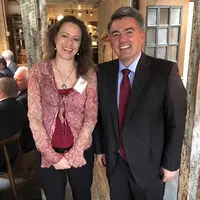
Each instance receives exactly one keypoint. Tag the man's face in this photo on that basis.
(126, 39)
(21, 81)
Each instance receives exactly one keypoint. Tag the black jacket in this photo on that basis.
(154, 122)
(7, 72)
(12, 116)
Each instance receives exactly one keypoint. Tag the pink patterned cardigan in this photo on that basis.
(44, 105)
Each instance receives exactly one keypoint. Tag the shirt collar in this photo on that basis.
(8, 63)
(133, 65)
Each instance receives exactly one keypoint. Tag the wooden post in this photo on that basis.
(43, 26)
(198, 188)
(4, 45)
(195, 146)
(29, 11)
(190, 162)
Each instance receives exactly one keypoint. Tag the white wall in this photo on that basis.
(188, 39)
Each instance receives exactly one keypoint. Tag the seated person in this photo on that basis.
(2, 75)
(21, 77)
(9, 58)
(12, 116)
(4, 69)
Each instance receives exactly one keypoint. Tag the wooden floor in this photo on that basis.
(29, 189)
(100, 189)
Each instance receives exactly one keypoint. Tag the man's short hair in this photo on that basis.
(22, 71)
(127, 12)
(9, 86)
(8, 54)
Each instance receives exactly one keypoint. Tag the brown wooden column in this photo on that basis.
(190, 163)
(198, 188)
(3, 28)
(43, 26)
(30, 20)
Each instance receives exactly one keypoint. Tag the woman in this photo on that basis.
(62, 101)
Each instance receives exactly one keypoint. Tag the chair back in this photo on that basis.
(11, 139)
(3, 143)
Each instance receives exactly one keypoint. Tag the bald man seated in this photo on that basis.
(21, 77)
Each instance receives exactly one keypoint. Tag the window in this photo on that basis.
(163, 32)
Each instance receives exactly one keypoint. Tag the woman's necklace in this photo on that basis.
(64, 86)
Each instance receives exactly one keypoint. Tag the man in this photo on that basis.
(142, 109)
(12, 115)
(8, 56)
(21, 77)
(3, 69)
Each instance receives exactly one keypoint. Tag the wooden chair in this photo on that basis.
(9, 173)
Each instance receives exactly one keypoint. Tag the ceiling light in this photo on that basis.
(59, 17)
(79, 14)
(94, 43)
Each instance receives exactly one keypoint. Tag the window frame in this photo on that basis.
(168, 26)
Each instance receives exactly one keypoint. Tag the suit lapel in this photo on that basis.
(21, 92)
(112, 92)
(140, 79)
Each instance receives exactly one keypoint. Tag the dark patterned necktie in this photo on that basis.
(125, 89)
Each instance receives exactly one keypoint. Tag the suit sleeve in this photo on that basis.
(175, 106)
(98, 131)
(98, 137)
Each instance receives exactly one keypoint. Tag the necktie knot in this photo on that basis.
(126, 72)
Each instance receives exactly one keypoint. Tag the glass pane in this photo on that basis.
(162, 36)
(151, 36)
(152, 16)
(174, 35)
(150, 51)
(175, 15)
(164, 16)
(161, 52)
(172, 53)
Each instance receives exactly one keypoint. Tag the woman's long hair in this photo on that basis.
(84, 57)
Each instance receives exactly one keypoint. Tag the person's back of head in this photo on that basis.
(8, 87)
(21, 77)
(8, 55)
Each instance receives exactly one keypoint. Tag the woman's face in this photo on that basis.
(68, 41)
